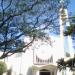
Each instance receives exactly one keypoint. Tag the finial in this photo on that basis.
(61, 1)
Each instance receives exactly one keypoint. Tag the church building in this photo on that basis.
(41, 58)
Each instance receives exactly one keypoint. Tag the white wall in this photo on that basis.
(23, 64)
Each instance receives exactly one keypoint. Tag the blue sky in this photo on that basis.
(71, 8)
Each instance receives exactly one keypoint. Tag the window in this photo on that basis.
(45, 72)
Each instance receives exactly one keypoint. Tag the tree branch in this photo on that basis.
(17, 14)
(9, 53)
(8, 5)
(11, 40)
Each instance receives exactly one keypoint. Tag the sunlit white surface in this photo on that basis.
(20, 63)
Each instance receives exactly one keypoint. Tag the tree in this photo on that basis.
(21, 18)
(3, 67)
(61, 64)
(70, 30)
(70, 63)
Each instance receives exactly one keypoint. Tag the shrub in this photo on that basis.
(3, 67)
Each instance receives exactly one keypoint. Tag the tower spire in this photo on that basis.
(64, 22)
(61, 21)
(61, 1)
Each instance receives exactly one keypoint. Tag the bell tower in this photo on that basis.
(64, 23)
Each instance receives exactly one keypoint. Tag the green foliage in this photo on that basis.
(70, 63)
(3, 67)
(61, 64)
(70, 30)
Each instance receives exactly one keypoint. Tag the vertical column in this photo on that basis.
(37, 73)
(64, 21)
(69, 37)
(61, 31)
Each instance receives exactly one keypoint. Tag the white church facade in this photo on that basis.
(39, 59)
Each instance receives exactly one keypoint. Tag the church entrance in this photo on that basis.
(45, 72)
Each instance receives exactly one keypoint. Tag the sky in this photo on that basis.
(71, 7)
